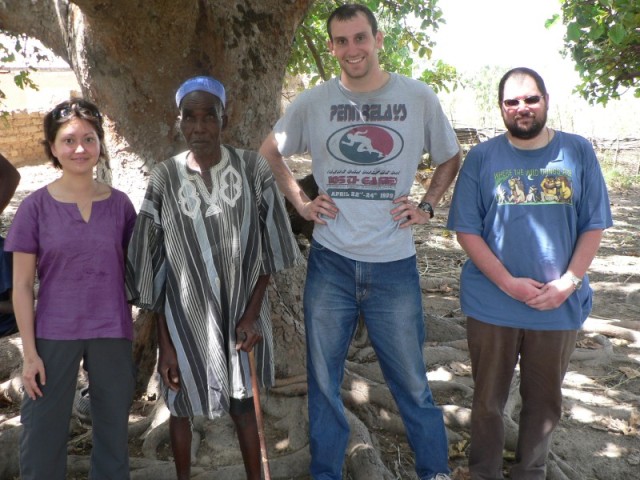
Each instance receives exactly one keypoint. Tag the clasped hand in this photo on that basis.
(538, 295)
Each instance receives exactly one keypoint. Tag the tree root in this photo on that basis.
(597, 355)
(138, 428)
(363, 460)
(9, 442)
(153, 438)
(291, 386)
(457, 418)
(156, 430)
(558, 469)
(292, 418)
(514, 402)
(283, 467)
(10, 355)
(11, 390)
(444, 354)
(606, 327)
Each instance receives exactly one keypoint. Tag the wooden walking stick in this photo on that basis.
(258, 408)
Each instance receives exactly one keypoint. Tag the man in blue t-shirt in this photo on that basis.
(529, 209)
(9, 179)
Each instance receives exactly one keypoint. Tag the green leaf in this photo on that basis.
(550, 22)
(574, 32)
(617, 34)
(597, 31)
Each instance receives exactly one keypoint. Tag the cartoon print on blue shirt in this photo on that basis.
(536, 186)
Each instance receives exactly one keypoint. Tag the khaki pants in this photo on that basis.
(544, 359)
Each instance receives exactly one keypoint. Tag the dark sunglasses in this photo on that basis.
(66, 112)
(514, 102)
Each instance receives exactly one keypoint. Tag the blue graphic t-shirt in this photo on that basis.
(365, 149)
(530, 206)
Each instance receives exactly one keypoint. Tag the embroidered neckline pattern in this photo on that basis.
(226, 186)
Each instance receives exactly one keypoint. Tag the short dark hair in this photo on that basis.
(64, 112)
(347, 12)
(521, 71)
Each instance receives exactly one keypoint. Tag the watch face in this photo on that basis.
(577, 282)
(426, 207)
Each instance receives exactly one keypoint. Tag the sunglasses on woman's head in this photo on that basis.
(66, 112)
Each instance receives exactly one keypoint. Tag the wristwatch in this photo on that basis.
(577, 281)
(426, 207)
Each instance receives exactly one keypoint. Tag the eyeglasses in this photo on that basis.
(78, 110)
(530, 100)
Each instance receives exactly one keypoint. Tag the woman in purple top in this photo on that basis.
(73, 233)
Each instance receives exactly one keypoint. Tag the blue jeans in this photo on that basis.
(388, 295)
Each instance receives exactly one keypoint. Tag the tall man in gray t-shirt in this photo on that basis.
(366, 132)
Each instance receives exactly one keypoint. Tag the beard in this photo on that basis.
(527, 131)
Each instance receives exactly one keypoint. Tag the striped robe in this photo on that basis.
(196, 257)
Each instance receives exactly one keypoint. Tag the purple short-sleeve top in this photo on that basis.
(80, 265)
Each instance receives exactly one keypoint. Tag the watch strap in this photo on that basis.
(426, 207)
(577, 281)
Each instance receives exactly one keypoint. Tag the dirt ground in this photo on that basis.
(598, 437)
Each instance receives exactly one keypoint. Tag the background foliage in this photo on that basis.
(407, 26)
(603, 38)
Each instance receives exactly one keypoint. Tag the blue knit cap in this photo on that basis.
(202, 84)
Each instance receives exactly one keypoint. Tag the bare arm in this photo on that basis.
(24, 272)
(586, 248)
(308, 209)
(284, 177)
(247, 331)
(9, 179)
(443, 177)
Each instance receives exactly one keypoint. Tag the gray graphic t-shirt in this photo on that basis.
(365, 149)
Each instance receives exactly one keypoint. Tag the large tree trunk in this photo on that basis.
(130, 57)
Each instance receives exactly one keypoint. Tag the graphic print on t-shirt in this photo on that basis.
(365, 144)
(533, 186)
(364, 149)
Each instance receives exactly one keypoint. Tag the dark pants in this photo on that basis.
(544, 359)
(43, 446)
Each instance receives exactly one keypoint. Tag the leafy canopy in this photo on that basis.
(603, 37)
(406, 25)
